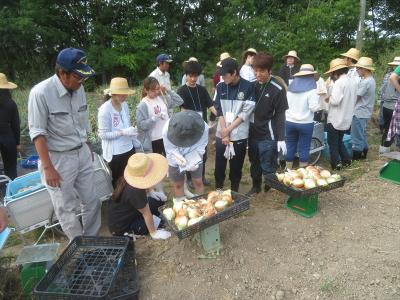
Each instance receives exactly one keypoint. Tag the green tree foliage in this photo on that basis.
(123, 37)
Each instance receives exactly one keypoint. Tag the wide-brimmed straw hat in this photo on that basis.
(119, 86)
(365, 63)
(306, 69)
(395, 62)
(5, 84)
(145, 170)
(336, 64)
(185, 128)
(251, 50)
(352, 53)
(222, 57)
(291, 53)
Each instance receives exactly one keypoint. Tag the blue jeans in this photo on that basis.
(299, 136)
(358, 133)
(263, 156)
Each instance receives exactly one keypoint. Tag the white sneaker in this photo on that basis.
(161, 234)
(383, 149)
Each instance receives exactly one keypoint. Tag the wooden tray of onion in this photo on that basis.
(189, 216)
(305, 181)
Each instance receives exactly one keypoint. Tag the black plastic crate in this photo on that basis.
(241, 203)
(126, 285)
(85, 270)
(293, 192)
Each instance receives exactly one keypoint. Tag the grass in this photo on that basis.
(329, 286)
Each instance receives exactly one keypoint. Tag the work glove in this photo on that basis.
(130, 131)
(179, 159)
(159, 196)
(282, 147)
(229, 151)
(160, 234)
(192, 167)
(156, 117)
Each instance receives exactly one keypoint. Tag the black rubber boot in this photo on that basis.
(357, 155)
(235, 186)
(256, 188)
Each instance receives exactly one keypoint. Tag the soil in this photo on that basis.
(349, 250)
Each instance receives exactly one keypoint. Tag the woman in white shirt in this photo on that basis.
(246, 71)
(303, 101)
(118, 137)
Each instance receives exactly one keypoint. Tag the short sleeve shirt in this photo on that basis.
(397, 70)
(195, 98)
(121, 214)
(365, 102)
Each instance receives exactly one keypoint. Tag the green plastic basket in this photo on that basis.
(391, 171)
(31, 275)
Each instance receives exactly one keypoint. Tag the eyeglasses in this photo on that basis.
(78, 78)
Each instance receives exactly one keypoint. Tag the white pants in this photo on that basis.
(76, 170)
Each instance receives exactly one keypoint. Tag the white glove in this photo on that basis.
(229, 151)
(163, 116)
(160, 234)
(156, 117)
(160, 196)
(191, 168)
(282, 147)
(130, 131)
(179, 159)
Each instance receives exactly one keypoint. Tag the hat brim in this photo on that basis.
(85, 72)
(154, 176)
(285, 56)
(305, 73)
(122, 92)
(336, 68)
(364, 67)
(394, 63)
(349, 56)
(168, 61)
(218, 64)
(187, 141)
(8, 86)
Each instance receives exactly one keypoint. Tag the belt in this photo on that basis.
(76, 148)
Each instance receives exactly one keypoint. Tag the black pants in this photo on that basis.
(158, 147)
(387, 118)
(118, 164)
(138, 225)
(235, 164)
(337, 149)
(8, 149)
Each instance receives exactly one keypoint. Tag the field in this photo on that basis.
(349, 250)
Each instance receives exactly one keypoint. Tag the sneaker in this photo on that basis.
(266, 188)
(254, 190)
(206, 182)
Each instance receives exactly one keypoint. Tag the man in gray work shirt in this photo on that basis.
(58, 126)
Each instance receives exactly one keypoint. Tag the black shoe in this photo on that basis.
(266, 188)
(347, 163)
(364, 154)
(254, 190)
(357, 155)
(190, 184)
(206, 182)
(337, 167)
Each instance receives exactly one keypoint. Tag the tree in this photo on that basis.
(361, 25)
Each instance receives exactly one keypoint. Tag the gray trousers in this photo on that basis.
(76, 171)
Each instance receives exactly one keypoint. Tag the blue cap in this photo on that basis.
(163, 57)
(72, 59)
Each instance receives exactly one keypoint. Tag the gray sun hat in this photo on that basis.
(185, 128)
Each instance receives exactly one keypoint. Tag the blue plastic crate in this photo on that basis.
(346, 141)
(24, 185)
(31, 162)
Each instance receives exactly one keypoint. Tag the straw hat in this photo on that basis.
(395, 62)
(365, 63)
(5, 84)
(119, 86)
(251, 50)
(222, 57)
(352, 53)
(306, 69)
(291, 53)
(336, 64)
(145, 170)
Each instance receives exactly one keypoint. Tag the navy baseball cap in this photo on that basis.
(163, 57)
(72, 59)
(228, 65)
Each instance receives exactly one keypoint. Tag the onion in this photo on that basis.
(182, 212)
(325, 174)
(169, 213)
(296, 174)
(280, 176)
(336, 176)
(220, 205)
(193, 213)
(181, 222)
(227, 199)
(209, 211)
(322, 182)
(177, 206)
(330, 180)
(287, 180)
(213, 197)
(311, 168)
(309, 183)
(227, 192)
(298, 183)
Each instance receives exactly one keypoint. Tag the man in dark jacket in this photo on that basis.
(290, 67)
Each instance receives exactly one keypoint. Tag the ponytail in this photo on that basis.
(121, 183)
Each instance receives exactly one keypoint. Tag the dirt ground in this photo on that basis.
(349, 250)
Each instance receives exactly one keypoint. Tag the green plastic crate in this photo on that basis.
(391, 171)
(31, 275)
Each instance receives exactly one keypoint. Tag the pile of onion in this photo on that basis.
(189, 212)
(307, 178)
